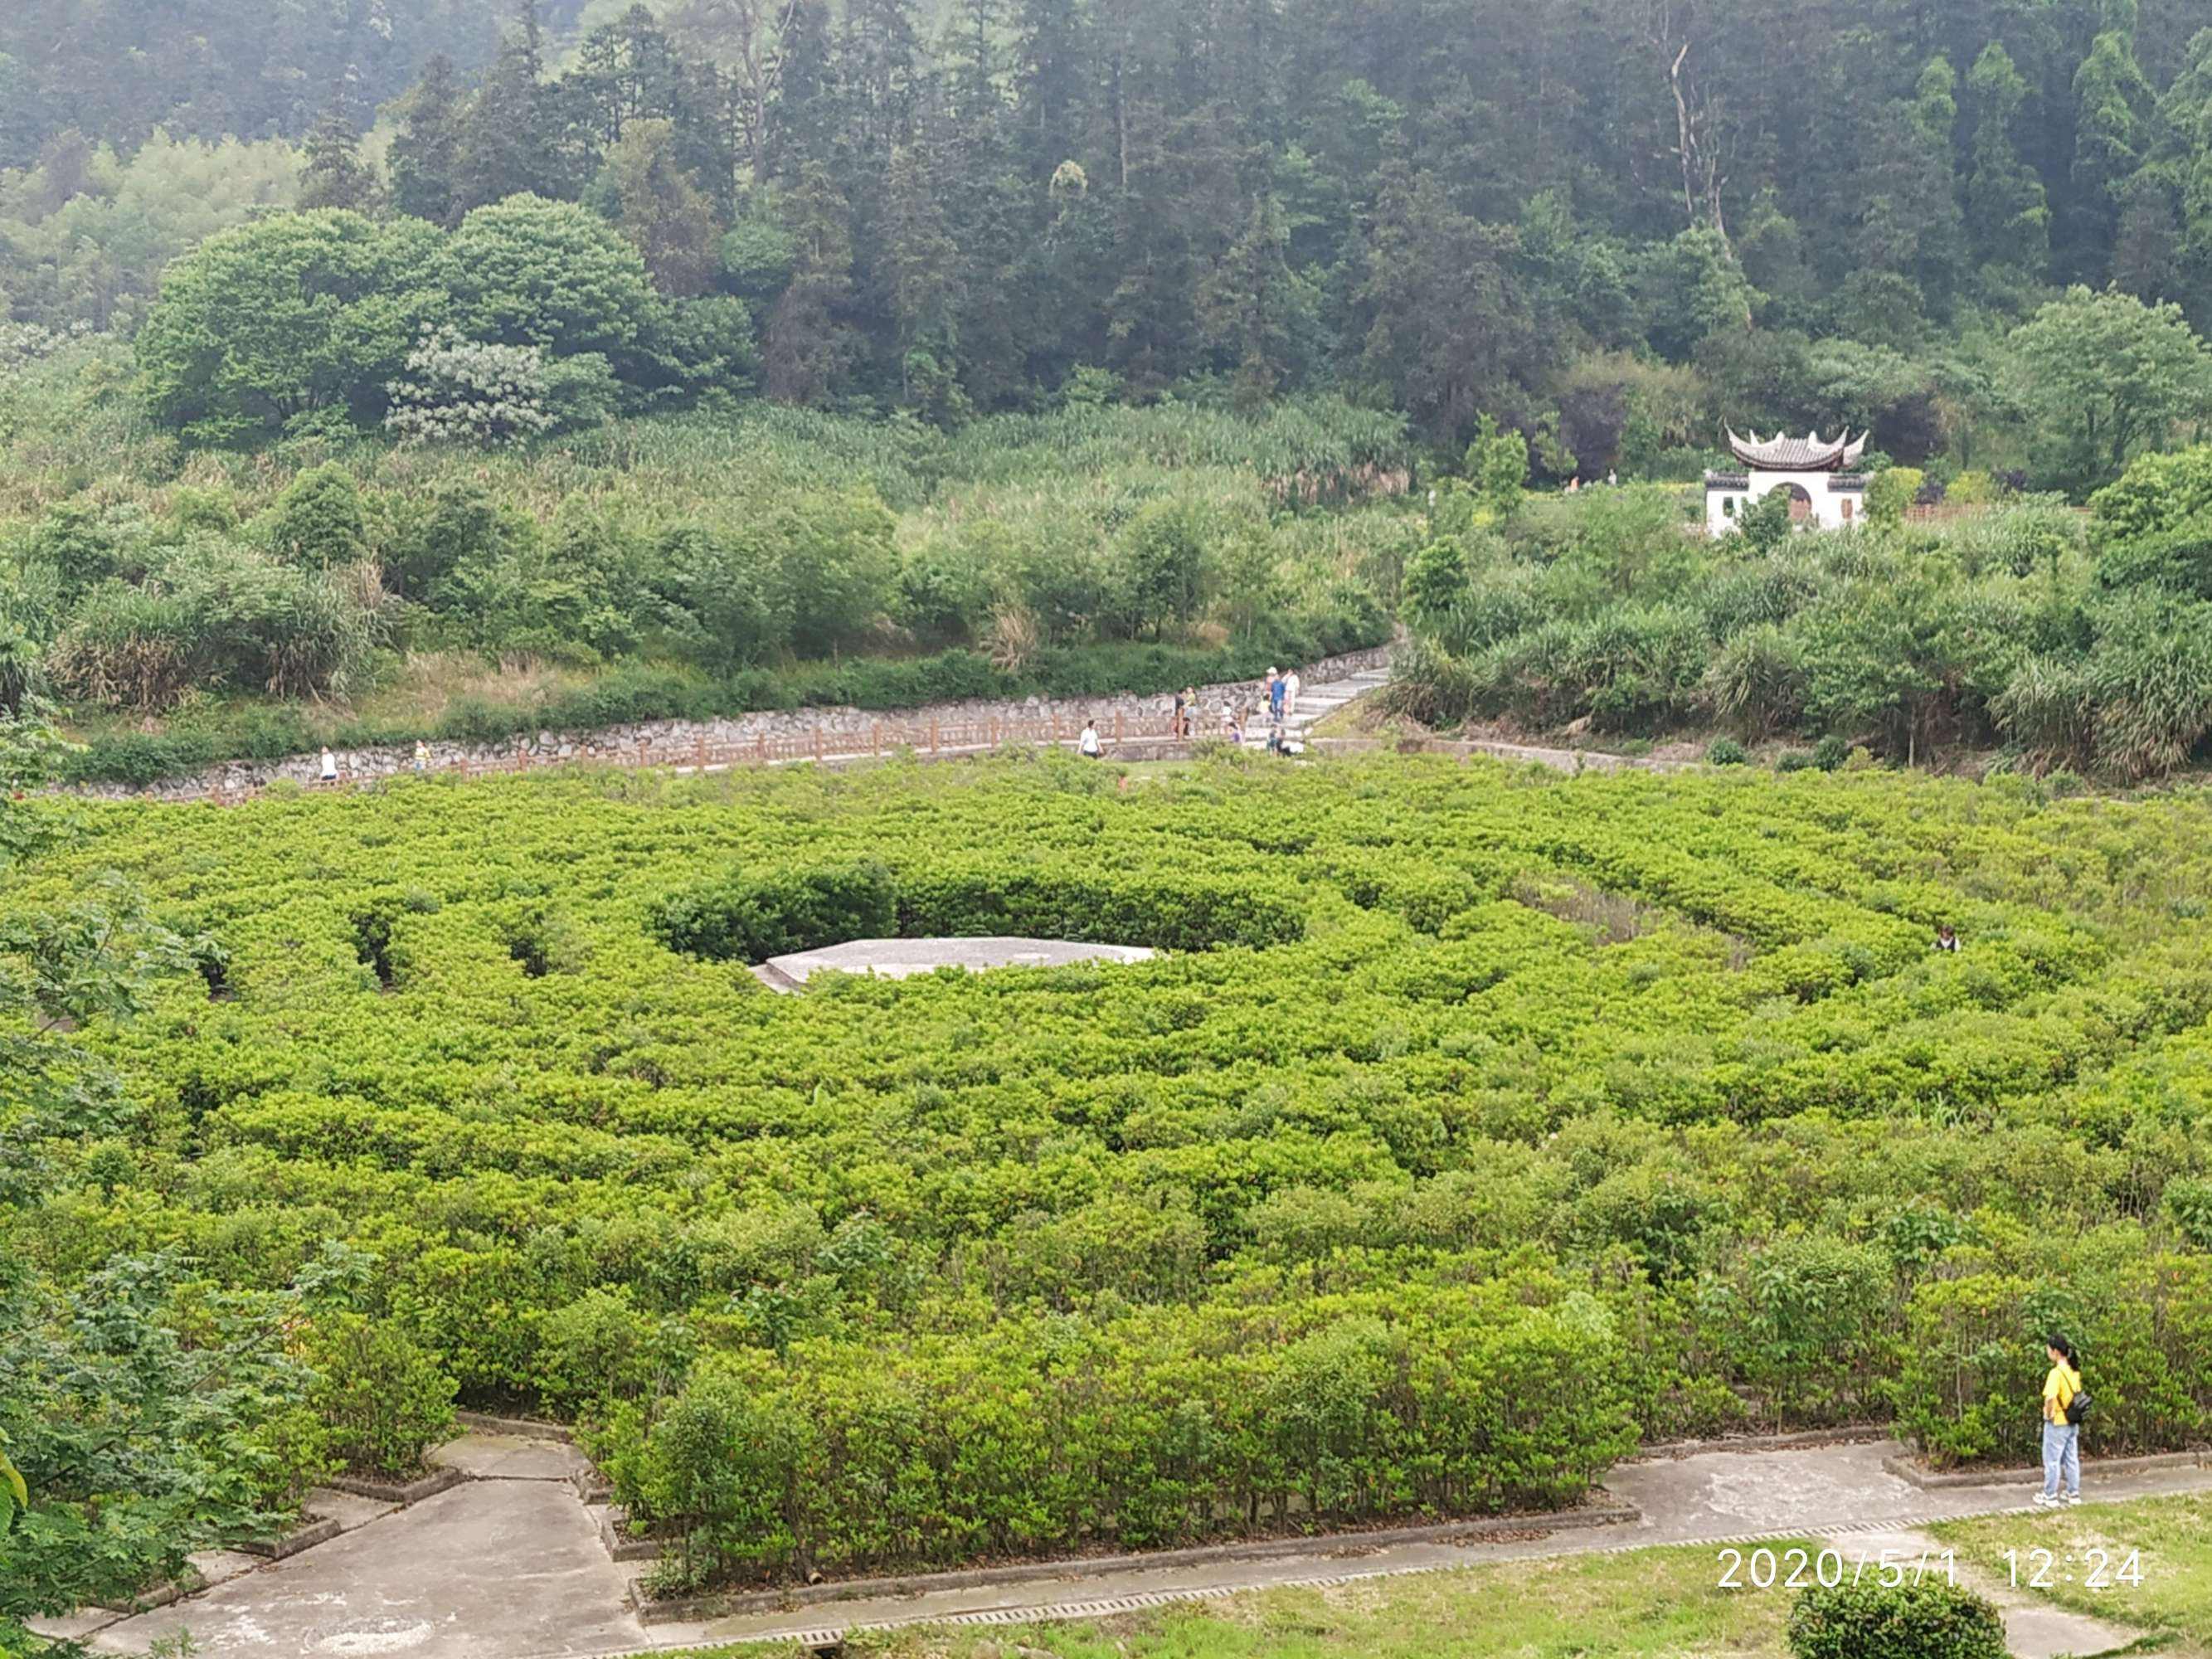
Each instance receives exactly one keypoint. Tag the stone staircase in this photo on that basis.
(1317, 702)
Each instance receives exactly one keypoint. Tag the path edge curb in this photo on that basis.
(527, 1428)
(1798, 1440)
(401, 1492)
(1913, 1472)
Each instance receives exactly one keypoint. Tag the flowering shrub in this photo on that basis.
(470, 391)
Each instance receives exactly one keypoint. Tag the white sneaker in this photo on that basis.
(2072, 1499)
(2044, 1501)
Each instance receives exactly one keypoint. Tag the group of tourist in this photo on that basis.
(1279, 691)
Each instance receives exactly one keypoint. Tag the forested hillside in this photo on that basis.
(1607, 224)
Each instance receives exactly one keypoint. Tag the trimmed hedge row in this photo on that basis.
(1165, 913)
(751, 918)
(1040, 1438)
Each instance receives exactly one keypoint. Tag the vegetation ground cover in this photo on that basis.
(683, 568)
(1479, 1124)
(1641, 1604)
(2059, 639)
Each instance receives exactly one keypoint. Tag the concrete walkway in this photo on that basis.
(510, 1565)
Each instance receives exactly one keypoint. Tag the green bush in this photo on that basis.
(1831, 752)
(1726, 751)
(1171, 1425)
(1166, 914)
(384, 1400)
(1927, 1619)
(750, 919)
(1891, 492)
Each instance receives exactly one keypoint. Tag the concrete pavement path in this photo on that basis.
(510, 1565)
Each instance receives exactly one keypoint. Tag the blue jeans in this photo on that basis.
(2061, 1456)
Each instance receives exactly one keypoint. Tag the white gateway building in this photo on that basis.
(1825, 491)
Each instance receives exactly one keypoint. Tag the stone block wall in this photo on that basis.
(844, 731)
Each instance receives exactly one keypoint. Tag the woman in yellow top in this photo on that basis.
(2062, 1440)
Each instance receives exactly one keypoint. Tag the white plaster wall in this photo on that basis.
(1827, 499)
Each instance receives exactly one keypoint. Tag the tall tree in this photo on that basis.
(2008, 214)
(1911, 226)
(1255, 308)
(332, 173)
(923, 265)
(513, 142)
(1450, 330)
(809, 341)
(2112, 101)
(426, 151)
(804, 127)
(667, 218)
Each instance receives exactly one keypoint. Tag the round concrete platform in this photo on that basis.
(901, 958)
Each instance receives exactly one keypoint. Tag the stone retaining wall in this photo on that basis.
(845, 730)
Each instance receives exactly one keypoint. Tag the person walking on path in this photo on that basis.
(1088, 743)
(1190, 711)
(1290, 694)
(1180, 727)
(1274, 691)
(2064, 1401)
(330, 773)
(421, 755)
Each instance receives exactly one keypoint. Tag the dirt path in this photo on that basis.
(510, 1564)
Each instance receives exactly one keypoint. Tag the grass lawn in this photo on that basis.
(1647, 1604)
(2174, 1535)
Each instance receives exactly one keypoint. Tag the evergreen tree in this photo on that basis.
(2007, 212)
(809, 341)
(923, 264)
(1450, 327)
(332, 173)
(2147, 253)
(667, 217)
(2111, 104)
(803, 128)
(1911, 227)
(512, 142)
(1053, 68)
(1256, 308)
(426, 151)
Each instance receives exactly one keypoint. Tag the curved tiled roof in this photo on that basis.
(1810, 453)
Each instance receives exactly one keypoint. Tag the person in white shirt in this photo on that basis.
(1088, 743)
(1290, 694)
(330, 766)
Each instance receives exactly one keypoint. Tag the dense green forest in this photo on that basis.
(1609, 226)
